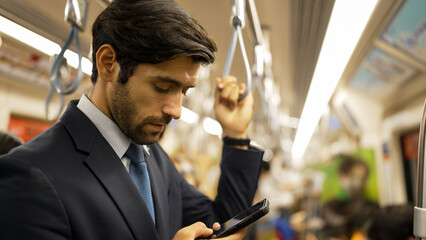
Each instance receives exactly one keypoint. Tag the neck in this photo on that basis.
(97, 95)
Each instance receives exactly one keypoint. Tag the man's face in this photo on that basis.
(151, 97)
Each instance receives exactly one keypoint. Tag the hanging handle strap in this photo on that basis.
(56, 85)
(49, 116)
(55, 75)
(238, 23)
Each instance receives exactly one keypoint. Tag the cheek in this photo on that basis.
(147, 103)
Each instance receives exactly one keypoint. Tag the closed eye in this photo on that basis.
(161, 89)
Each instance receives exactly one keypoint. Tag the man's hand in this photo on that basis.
(200, 230)
(191, 232)
(236, 236)
(234, 116)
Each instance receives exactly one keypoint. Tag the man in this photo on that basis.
(98, 173)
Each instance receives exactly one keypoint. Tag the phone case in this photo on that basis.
(247, 220)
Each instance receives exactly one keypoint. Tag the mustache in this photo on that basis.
(165, 119)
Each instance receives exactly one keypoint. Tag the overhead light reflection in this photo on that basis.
(41, 43)
(347, 22)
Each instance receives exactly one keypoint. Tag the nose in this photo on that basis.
(173, 106)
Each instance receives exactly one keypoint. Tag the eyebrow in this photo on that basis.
(171, 80)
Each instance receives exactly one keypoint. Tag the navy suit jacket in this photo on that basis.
(68, 183)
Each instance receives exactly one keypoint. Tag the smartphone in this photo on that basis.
(244, 218)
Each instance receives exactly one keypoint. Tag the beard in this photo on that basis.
(125, 114)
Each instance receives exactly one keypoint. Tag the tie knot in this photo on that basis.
(134, 152)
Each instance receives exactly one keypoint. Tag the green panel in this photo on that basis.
(331, 187)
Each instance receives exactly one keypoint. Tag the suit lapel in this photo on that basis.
(110, 171)
(159, 192)
(108, 168)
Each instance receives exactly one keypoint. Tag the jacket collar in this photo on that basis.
(108, 168)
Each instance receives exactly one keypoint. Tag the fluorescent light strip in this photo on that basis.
(41, 43)
(347, 22)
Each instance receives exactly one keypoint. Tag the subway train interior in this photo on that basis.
(339, 88)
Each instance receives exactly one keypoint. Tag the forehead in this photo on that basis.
(183, 70)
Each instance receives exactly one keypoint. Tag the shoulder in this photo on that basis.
(47, 142)
(26, 197)
(16, 172)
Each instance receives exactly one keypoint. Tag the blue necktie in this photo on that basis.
(139, 172)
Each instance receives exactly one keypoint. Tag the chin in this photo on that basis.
(147, 139)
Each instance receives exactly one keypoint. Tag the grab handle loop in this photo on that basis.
(55, 75)
(237, 35)
(56, 85)
(49, 117)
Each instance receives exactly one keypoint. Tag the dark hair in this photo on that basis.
(149, 31)
(8, 141)
(348, 163)
(393, 223)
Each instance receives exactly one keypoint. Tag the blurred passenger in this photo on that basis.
(335, 214)
(350, 219)
(8, 141)
(393, 223)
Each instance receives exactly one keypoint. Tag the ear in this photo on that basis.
(105, 62)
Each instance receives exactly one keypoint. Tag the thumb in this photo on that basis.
(201, 230)
(193, 231)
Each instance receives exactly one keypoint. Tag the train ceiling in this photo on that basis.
(388, 57)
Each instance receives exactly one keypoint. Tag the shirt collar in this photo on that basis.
(108, 128)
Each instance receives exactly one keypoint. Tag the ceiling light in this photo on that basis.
(347, 22)
(41, 43)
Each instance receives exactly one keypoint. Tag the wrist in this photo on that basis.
(234, 134)
(242, 143)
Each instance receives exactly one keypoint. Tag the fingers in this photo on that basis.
(223, 82)
(201, 230)
(216, 226)
(193, 231)
(228, 91)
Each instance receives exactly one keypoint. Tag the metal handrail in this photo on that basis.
(419, 209)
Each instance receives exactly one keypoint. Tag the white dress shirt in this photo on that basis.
(109, 129)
